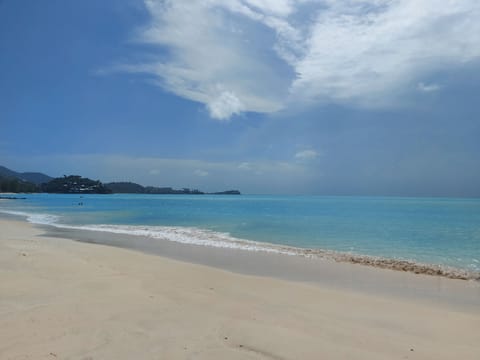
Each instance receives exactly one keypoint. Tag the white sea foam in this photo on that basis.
(183, 235)
(203, 237)
(191, 236)
(35, 218)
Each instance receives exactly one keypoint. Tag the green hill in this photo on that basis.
(32, 177)
(75, 184)
(13, 185)
(125, 188)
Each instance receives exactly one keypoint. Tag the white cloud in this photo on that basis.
(306, 155)
(275, 7)
(210, 59)
(367, 52)
(226, 105)
(264, 55)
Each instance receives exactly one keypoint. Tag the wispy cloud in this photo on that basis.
(211, 57)
(428, 87)
(264, 55)
(367, 52)
(245, 166)
(306, 155)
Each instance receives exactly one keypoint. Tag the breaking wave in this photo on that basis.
(203, 237)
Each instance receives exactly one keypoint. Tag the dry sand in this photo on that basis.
(61, 299)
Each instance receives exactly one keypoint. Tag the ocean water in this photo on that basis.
(441, 231)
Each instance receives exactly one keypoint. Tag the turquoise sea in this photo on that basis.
(441, 231)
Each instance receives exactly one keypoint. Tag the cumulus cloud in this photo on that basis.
(226, 105)
(264, 55)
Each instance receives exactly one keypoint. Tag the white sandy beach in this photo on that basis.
(61, 299)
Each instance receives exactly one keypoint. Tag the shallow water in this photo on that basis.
(428, 230)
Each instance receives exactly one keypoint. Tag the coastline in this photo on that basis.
(242, 245)
(70, 299)
(195, 236)
(322, 271)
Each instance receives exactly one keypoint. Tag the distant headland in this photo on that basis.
(33, 182)
(133, 188)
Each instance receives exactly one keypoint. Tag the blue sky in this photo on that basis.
(363, 97)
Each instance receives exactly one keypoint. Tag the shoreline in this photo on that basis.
(75, 300)
(321, 271)
(401, 265)
(377, 262)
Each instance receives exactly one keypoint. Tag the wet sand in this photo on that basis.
(323, 271)
(71, 300)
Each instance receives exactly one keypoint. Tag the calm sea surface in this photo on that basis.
(429, 230)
